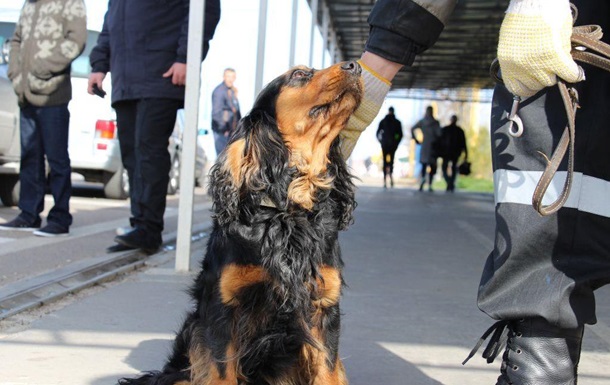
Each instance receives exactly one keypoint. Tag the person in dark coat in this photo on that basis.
(431, 130)
(389, 135)
(452, 145)
(225, 110)
(143, 44)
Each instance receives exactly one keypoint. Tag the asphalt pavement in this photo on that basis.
(413, 261)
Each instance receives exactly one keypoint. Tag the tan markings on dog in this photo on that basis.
(309, 135)
(236, 277)
(316, 366)
(205, 370)
(235, 160)
(329, 287)
(183, 383)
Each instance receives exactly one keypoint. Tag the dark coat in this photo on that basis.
(401, 29)
(389, 133)
(141, 40)
(225, 109)
(452, 142)
(432, 131)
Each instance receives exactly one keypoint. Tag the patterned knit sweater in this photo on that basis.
(49, 35)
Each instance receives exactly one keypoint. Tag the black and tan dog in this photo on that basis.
(267, 298)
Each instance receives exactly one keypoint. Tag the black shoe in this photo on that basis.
(117, 248)
(536, 352)
(20, 224)
(52, 230)
(140, 239)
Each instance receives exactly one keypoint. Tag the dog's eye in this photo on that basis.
(319, 110)
(300, 74)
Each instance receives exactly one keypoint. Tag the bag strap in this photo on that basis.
(587, 47)
(583, 38)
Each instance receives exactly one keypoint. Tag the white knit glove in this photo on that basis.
(375, 90)
(534, 47)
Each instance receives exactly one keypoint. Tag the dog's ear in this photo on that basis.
(252, 168)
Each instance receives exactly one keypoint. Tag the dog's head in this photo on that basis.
(282, 149)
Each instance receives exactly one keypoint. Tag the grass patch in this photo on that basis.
(468, 183)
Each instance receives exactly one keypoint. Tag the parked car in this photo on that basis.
(93, 141)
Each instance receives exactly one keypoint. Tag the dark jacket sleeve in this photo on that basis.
(402, 29)
(211, 19)
(100, 54)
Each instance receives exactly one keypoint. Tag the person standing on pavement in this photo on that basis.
(225, 110)
(48, 36)
(452, 144)
(540, 279)
(143, 44)
(431, 131)
(389, 134)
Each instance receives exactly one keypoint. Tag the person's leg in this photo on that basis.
(424, 171)
(54, 125)
(155, 123)
(444, 168)
(544, 270)
(126, 127)
(454, 172)
(32, 167)
(391, 166)
(385, 155)
(220, 142)
(431, 175)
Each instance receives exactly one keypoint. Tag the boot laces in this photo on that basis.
(496, 343)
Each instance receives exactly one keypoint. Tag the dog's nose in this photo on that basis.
(352, 67)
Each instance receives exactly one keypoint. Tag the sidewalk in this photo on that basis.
(413, 262)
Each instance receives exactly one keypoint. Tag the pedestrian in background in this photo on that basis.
(452, 144)
(143, 44)
(389, 135)
(48, 36)
(225, 110)
(431, 131)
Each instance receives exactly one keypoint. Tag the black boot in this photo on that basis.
(537, 353)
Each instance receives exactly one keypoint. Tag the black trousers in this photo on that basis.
(450, 168)
(144, 128)
(550, 266)
(388, 161)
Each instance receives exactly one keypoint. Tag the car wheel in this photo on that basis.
(117, 186)
(9, 190)
(174, 176)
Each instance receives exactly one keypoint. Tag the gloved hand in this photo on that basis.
(375, 90)
(534, 46)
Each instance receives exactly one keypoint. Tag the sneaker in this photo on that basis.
(52, 230)
(20, 224)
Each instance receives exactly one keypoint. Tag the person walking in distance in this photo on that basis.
(431, 131)
(389, 135)
(49, 35)
(143, 44)
(452, 144)
(225, 110)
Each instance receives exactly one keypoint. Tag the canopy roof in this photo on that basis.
(460, 58)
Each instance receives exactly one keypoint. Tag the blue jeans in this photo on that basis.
(44, 132)
(144, 128)
(220, 142)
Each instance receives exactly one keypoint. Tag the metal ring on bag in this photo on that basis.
(515, 119)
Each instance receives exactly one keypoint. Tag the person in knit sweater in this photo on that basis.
(49, 35)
